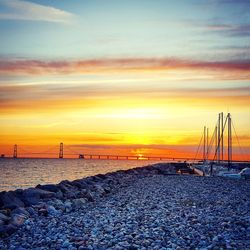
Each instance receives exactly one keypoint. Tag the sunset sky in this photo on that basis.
(125, 77)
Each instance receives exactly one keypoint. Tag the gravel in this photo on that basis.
(146, 212)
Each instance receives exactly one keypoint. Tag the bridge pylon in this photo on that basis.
(61, 151)
(15, 151)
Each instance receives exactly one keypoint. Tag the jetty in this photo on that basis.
(150, 207)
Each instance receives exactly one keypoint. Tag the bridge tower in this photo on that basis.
(15, 151)
(61, 151)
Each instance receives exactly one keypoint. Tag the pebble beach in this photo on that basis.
(143, 208)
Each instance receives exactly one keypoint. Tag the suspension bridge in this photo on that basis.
(213, 149)
(66, 151)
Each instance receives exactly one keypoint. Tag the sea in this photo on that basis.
(25, 173)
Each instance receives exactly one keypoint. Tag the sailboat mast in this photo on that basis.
(207, 142)
(216, 142)
(218, 146)
(204, 145)
(222, 139)
(229, 140)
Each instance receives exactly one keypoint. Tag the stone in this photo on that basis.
(4, 217)
(6, 230)
(59, 194)
(17, 219)
(31, 211)
(68, 206)
(78, 203)
(90, 196)
(20, 211)
(52, 211)
(9, 200)
(66, 244)
(32, 196)
(146, 210)
(58, 204)
(49, 187)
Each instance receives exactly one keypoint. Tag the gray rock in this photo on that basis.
(17, 219)
(68, 206)
(78, 203)
(66, 244)
(2, 222)
(6, 230)
(90, 196)
(52, 211)
(43, 194)
(4, 217)
(58, 204)
(31, 211)
(59, 194)
(49, 187)
(99, 189)
(10, 200)
(20, 211)
(32, 196)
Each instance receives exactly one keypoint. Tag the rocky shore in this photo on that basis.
(143, 208)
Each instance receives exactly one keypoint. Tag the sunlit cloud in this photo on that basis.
(24, 10)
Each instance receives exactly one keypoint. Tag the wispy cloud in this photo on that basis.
(231, 30)
(24, 10)
(235, 69)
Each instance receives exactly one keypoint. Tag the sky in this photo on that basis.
(130, 77)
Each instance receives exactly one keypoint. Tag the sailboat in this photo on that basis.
(217, 164)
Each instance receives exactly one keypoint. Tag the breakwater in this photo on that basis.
(143, 208)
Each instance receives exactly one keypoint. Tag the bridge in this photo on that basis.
(65, 151)
(213, 149)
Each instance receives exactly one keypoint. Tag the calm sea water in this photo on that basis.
(24, 173)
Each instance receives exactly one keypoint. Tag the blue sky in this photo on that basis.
(215, 29)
